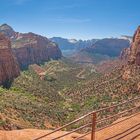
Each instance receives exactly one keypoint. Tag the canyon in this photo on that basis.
(50, 95)
(92, 51)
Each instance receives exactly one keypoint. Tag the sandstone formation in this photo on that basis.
(135, 48)
(8, 65)
(34, 49)
(30, 48)
(7, 30)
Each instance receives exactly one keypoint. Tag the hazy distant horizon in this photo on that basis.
(64, 37)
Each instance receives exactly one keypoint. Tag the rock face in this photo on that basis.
(102, 50)
(30, 48)
(125, 53)
(7, 30)
(9, 68)
(108, 46)
(34, 49)
(135, 49)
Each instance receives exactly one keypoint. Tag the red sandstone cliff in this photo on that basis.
(7, 31)
(31, 48)
(134, 57)
(132, 54)
(34, 49)
(8, 65)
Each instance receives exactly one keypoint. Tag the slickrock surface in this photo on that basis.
(129, 129)
(123, 129)
(31, 134)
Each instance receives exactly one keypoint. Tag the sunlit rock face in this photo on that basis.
(30, 48)
(34, 49)
(135, 48)
(9, 68)
(7, 30)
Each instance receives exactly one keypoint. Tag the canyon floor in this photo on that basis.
(127, 128)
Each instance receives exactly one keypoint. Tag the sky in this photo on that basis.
(79, 19)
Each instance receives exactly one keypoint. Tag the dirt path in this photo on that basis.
(128, 129)
(79, 75)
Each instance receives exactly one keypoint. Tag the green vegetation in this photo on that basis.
(68, 91)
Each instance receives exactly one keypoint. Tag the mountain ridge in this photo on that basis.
(30, 48)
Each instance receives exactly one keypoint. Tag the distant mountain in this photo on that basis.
(101, 50)
(72, 44)
(63, 43)
(127, 37)
(94, 50)
(108, 46)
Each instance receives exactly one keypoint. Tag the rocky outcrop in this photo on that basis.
(38, 71)
(135, 49)
(8, 65)
(30, 48)
(125, 53)
(7, 30)
(34, 49)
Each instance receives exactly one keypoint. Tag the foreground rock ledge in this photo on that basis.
(127, 128)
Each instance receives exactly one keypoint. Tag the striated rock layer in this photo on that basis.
(34, 49)
(30, 48)
(9, 68)
(134, 57)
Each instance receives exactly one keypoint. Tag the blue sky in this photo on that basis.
(80, 19)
